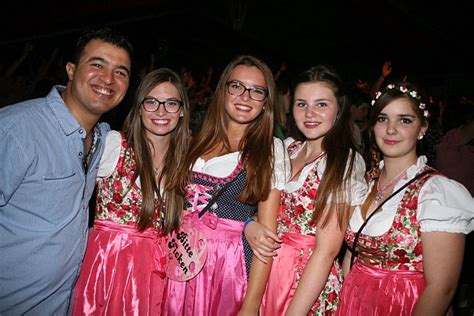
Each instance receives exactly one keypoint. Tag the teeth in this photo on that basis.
(103, 91)
(243, 107)
(161, 122)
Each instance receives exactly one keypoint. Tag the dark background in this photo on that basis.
(429, 41)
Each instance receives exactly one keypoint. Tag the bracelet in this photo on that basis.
(248, 221)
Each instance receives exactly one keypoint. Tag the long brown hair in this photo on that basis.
(171, 201)
(339, 146)
(256, 145)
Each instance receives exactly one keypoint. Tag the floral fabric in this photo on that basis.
(295, 213)
(296, 208)
(117, 198)
(400, 247)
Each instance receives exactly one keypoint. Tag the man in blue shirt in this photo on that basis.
(50, 150)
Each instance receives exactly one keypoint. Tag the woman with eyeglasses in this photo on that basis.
(138, 203)
(407, 238)
(235, 151)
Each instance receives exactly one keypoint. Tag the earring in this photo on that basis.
(421, 136)
(263, 107)
(181, 114)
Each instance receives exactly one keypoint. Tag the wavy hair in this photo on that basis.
(170, 203)
(385, 97)
(256, 145)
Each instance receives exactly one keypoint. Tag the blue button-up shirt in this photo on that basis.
(44, 196)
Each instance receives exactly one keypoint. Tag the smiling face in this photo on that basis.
(397, 129)
(99, 80)
(161, 123)
(314, 110)
(242, 110)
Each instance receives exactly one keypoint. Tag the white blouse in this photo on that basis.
(113, 144)
(358, 183)
(222, 166)
(444, 205)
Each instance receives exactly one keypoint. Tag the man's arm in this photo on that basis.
(14, 164)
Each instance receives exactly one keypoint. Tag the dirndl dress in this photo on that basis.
(220, 287)
(298, 235)
(123, 271)
(387, 277)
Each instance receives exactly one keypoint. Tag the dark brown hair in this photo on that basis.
(390, 93)
(339, 146)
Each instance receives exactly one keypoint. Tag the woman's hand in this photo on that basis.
(262, 240)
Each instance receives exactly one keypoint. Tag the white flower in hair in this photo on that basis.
(377, 95)
(413, 93)
(403, 89)
(422, 106)
(426, 113)
(373, 102)
(391, 86)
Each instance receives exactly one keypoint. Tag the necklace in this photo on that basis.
(85, 161)
(381, 191)
(310, 161)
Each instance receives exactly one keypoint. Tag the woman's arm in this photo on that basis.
(259, 271)
(315, 275)
(442, 262)
(263, 241)
(346, 263)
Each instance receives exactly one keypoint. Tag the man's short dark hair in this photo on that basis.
(104, 34)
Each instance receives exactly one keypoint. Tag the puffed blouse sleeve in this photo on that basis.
(282, 166)
(358, 181)
(445, 205)
(113, 144)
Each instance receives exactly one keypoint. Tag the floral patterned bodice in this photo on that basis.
(117, 199)
(296, 208)
(400, 247)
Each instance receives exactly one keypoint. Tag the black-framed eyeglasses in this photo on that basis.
(237, 88)
(151, 104)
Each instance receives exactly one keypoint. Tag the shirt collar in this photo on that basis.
(60, 111)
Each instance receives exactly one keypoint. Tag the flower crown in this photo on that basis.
(411, 93)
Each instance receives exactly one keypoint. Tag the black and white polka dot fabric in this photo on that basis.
(228, 205)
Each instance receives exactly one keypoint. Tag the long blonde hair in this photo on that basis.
(171, 202)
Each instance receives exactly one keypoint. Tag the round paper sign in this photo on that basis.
(187, 253)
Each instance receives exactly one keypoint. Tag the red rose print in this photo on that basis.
(135, 210)
(117, 198)
(418, 249)
(120, 213)
(400, 253)
(298, 210)
(111, 207)
(312, 194)
(117, 186)
(413, 204)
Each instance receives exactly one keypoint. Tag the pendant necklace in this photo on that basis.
(381, 191)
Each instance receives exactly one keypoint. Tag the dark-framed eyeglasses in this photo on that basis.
(151, 104)
(237, 88)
